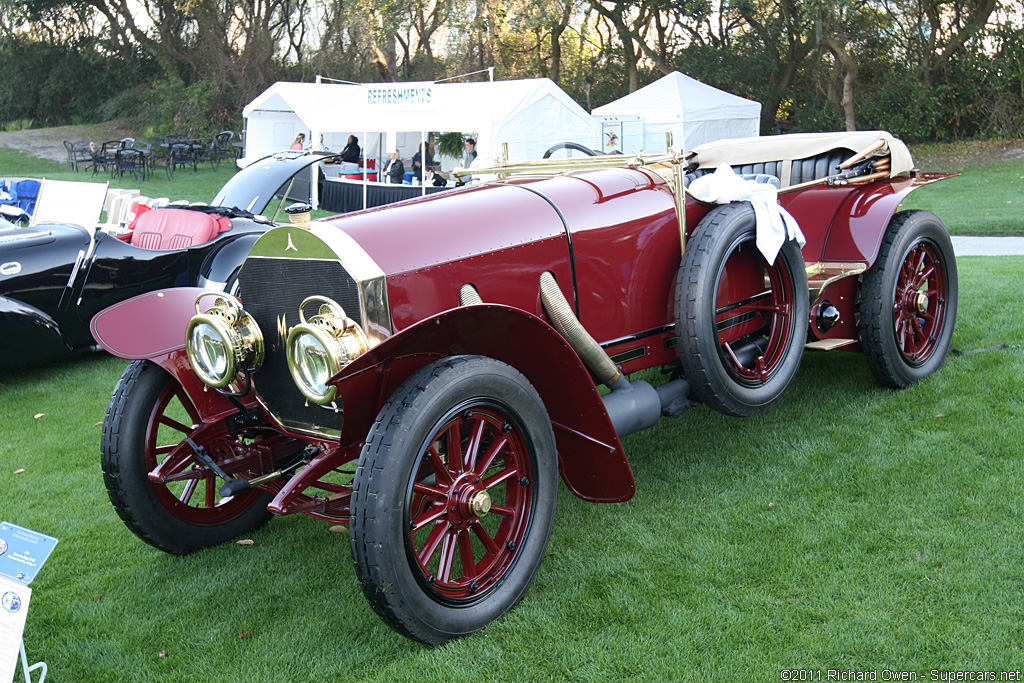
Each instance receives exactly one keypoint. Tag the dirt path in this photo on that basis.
(48, 143)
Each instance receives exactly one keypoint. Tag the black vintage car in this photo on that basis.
(54, 277)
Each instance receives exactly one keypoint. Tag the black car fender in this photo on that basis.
(221, 264)
(28, 333)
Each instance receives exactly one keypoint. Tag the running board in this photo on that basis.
(827, 344)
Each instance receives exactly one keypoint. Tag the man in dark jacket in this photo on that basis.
(350, 155)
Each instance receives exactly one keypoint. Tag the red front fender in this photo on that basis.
(591, 458)
(152, 327)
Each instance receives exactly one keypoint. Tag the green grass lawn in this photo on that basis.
(985, 200)
(851, 528)
(201, 185)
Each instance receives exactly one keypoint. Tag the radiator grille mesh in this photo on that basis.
(271, 290)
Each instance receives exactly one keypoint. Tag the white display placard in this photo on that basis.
(14, 597)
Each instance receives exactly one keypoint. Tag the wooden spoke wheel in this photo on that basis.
(148, 417)
(454, 498)
(908, 300)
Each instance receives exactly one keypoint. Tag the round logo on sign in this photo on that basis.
(11, 601)
(3, 546)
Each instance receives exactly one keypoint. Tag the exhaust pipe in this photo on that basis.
(565, 321)
(632, 406)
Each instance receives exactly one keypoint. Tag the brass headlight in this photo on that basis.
(223, 341)
(320, 347)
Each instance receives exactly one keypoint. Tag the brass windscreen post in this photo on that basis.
(677, 168)
(504, 158)
(677, 172)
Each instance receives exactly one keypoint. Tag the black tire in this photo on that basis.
(438, 581)
(743, 368)
(908, 300)
(149, 407)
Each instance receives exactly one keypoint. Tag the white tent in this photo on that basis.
(284, 110)
(528, 116)
(693, 112)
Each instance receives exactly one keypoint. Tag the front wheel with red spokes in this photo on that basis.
(908, 300)
(454, 498)
(148, 418)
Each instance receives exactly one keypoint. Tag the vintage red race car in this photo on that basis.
(425, 372)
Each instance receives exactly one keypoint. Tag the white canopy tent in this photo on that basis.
(528, 116)
(284, 110)
(695, 114)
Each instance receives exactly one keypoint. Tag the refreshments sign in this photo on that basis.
(401, 96)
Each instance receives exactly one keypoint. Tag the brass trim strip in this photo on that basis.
(815, 289)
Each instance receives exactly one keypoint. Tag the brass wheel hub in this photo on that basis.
(921, 301)
(468, 501)
(480, 503)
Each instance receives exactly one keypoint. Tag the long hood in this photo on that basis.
(473, 221)
(450, 226)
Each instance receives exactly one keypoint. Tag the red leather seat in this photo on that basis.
(166, 229)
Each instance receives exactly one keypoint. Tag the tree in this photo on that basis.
(932, 32)
(783, 31)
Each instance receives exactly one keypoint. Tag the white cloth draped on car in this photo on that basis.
(774, 224)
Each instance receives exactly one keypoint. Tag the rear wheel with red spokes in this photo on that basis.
(454, 498)
(908, 300)
(148, 418)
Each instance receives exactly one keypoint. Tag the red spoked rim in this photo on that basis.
(919, 302)
(192, 498)
(753, 313)
(469, 503)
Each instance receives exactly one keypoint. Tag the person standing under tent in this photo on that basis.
(395, 169)
(421, 158)
(350, 155)
(468, 161)
(470, 153)
(299, 142)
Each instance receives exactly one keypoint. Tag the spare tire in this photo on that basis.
(740, 321)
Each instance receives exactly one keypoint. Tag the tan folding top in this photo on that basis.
(786, 148)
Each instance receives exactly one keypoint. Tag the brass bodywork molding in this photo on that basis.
(824, 273)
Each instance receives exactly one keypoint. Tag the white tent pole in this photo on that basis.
(366, 138)
(314, 185)
(492, 141)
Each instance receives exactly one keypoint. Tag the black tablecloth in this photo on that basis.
(344, 196)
